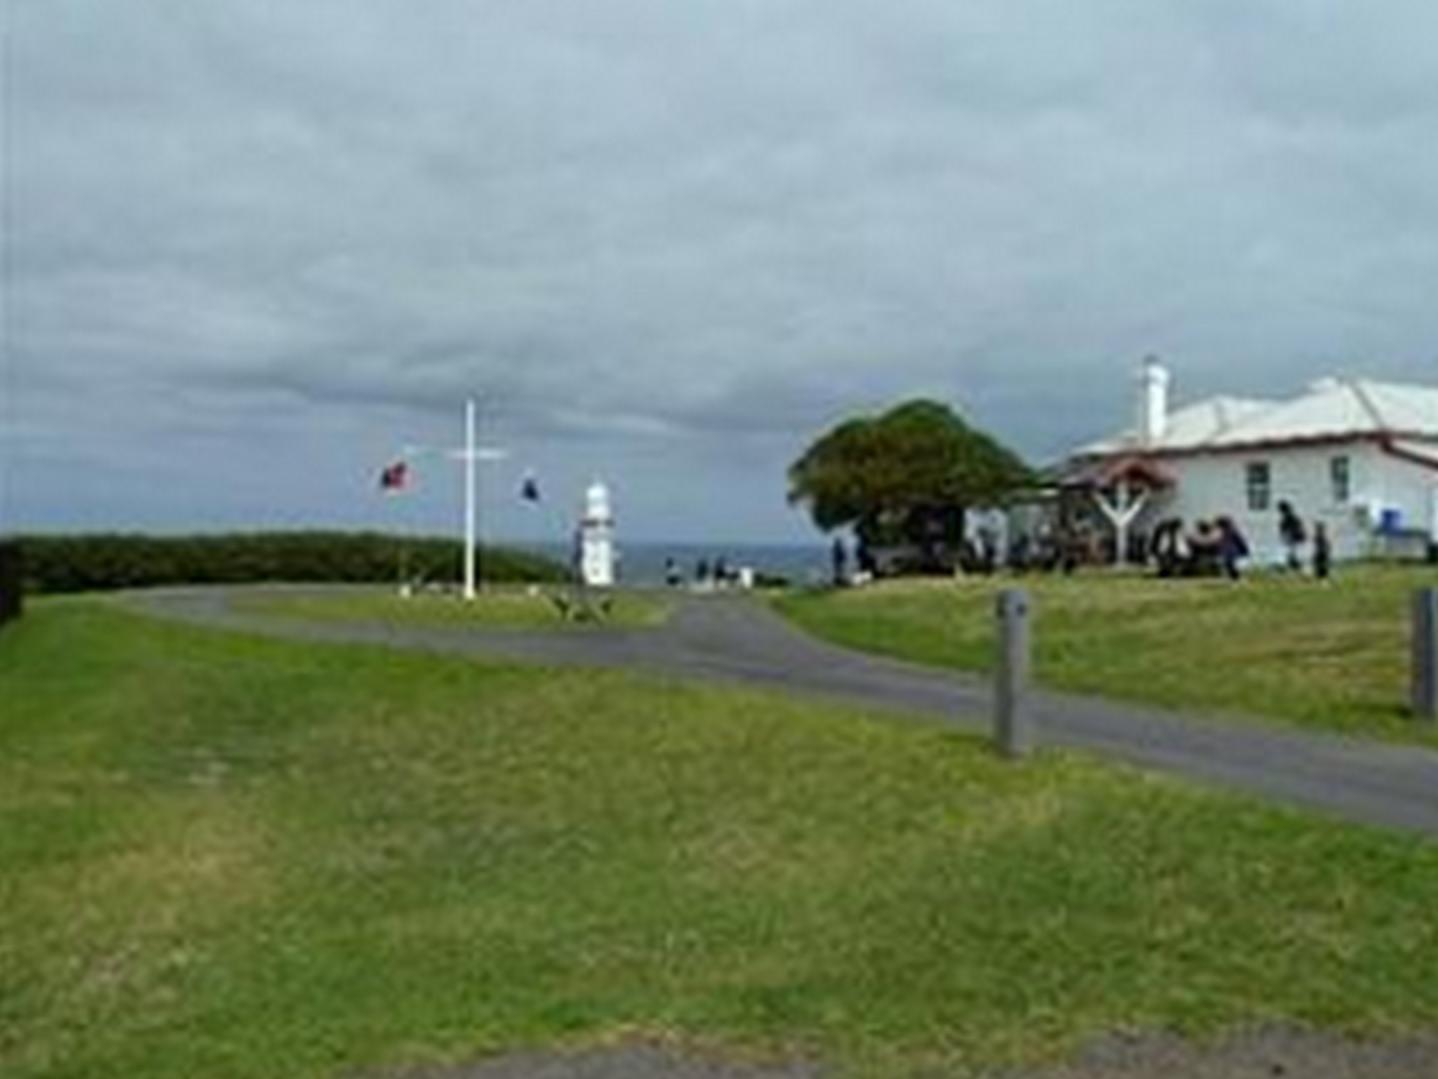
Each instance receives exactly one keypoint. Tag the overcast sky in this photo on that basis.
(252, 247)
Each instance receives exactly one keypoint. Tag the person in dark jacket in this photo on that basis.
(1205, 550)
(1166, 547)
(1322, 552)
(1232, 548)
(839, 554)
(1292, 534)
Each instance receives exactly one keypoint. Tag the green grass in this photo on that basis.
(501, 608)
(1332, 658)
(226, 856)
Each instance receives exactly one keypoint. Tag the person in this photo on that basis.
(864, 559)
(988, 549)
(672, 576)
(1322, 551)
(721, 572)
(1232, 548)
(1045, 548)
(839, 554)
(1168, 548)
(1021, 554)
(1204, 550)
(1071, 546)
(701, 572)
(1291, 534)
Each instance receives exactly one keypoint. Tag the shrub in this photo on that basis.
(12, 597)
(97, 561)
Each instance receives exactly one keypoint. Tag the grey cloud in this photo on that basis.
(685, 237)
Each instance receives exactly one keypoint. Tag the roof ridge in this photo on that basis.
(1360, 391)
(1220, 406)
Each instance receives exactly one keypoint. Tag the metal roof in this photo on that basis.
(1332, 409)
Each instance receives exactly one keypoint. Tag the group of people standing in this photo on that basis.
(1294, 536)
(716, 574)
(1214, 547)
(1219, 547)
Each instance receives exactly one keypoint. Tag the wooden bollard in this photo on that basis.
(1425, 654)
(1013, 726)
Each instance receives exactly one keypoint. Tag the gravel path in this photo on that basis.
(620, 1062)
(734, 639)
(1275, 1053)
(1271, 1053)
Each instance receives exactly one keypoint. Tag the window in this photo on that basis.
(1259, 481)
(1340, 478)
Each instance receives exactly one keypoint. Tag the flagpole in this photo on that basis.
(469, 500)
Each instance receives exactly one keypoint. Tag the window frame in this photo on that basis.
(1340, 479)
(1258, 492)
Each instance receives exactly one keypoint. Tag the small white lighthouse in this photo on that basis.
(596, 538)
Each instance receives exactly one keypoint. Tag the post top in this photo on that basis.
(1011, 602)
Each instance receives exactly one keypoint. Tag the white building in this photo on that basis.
(1359, 456)
(596, 538)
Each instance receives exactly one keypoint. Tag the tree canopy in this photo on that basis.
(906, 475)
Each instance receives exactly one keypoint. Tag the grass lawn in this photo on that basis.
(498, 608)
(1333, 657)
(226, 856)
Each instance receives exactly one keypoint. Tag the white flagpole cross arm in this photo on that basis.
(480, 453)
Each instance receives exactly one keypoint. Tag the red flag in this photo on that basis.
(394, 477)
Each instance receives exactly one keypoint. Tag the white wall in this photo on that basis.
(1413, 490)
(1214, 485)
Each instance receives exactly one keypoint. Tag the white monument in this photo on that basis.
(596, 538)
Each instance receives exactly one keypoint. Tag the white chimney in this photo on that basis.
(1153, 381)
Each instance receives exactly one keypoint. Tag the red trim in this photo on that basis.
(1107, 472)
(1135, 467)
(1418, 459)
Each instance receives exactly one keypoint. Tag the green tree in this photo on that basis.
(905, 476)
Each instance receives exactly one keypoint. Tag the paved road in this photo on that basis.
(739, 640)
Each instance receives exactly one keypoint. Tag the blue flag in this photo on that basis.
(529, 489)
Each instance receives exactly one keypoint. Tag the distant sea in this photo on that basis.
(643, 563)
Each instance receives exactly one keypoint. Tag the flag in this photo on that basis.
(529, 489)
(394, 477)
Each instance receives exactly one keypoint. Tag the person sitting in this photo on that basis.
(1204, 550)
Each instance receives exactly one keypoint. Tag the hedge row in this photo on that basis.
(76, 563)
(12, 596)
